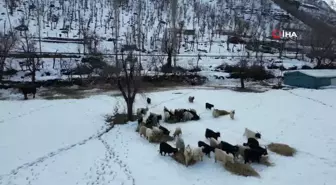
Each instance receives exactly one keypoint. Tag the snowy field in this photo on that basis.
(57, 142)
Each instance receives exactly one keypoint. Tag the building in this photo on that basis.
(313, 78)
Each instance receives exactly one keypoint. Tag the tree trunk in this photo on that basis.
(242, 84)
(130, 109)
(169, 60)
(319, 62)
(2, 65)
(33, 70)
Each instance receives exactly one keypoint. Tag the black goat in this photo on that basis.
(195, 116)
(258, 135)
(140, 120)
(164, 130)
(149, 100)
(228, 148)
(209, 106)
(152, 119)
(165, 148)
(210, 133)
(252, 155)
(252, 142)
(206, 148)
(261, 149)
(25, 90)
(191, 99)
(166, 110)
(178, 113)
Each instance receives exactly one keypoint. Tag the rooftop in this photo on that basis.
(317, 72)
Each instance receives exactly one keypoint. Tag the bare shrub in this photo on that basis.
(116, 118)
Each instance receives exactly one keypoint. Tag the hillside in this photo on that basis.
(211, 20)
(207, 33)
(331, 3)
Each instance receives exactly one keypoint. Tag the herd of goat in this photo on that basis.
(223, 151)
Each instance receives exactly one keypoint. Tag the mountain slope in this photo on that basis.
(331, 3)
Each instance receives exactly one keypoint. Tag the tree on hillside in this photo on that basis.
(28, 46)
(323, 48)
(242, 67)
(7, 42)
(174, 9)
(12, 4)
(168, 48)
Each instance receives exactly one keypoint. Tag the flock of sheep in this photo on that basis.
(225, 152)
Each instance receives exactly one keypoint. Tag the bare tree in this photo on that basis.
(116, 7)
(12, 4)
(212, 27)
(7, 42)
(28, 45)
(322, 48)
(174, 7)
(168, 48)
(243, 63)
(181, 27)
(129, 81)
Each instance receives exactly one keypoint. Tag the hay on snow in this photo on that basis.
(265, 161)
(158, 138)
(241, 169)
(282, 149)
(179, 157)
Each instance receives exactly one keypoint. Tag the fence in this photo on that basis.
(79, 55)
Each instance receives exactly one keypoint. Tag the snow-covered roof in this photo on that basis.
(318, 72)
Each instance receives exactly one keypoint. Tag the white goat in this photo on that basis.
(187, 116)
(222, 156)
(177, 132)
(142, 131)
(180, 143)
(213, 142)
(241, 150)
(250, 134)
(149, 134)
(187, 155)
(157, 131)
(197, 154)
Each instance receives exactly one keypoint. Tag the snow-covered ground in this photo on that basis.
(56, 142)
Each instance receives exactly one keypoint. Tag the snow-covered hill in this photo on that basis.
(78, 19)
(331, 3)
